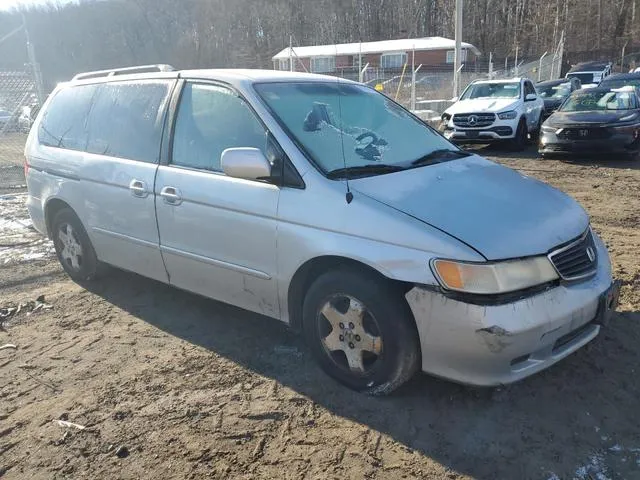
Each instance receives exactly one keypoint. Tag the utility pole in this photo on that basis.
(457, 60)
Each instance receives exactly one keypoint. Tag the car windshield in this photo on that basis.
(585, 78)
(348, 126)
(590, 100)
(492, 90)
(554, 91)
(619, 83)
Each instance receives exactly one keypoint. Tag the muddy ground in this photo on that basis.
(171, 385)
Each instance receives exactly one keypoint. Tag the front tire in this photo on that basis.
(361, 331)
(519, 142)
(73, 246)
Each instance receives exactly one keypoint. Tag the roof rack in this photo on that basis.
(124, 71)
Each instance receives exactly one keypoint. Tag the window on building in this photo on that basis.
(283, 64)
(323, 64)
(393, 60)
(451, 55)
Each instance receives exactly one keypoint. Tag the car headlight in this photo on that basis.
(510, 115)
(548, 129)
(493, 278)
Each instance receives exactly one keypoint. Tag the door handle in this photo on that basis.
(171, 195)
(138, 188)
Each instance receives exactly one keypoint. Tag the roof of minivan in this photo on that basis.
(502, 80)
(622, 76)
(230, 75)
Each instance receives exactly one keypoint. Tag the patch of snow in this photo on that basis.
(615, 448)
(595, 469)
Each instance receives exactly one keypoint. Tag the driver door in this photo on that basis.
(533, 108)
(217, 233)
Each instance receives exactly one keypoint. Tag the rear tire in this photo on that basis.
(361, 331)
(73, 247)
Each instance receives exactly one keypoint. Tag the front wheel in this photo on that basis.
(519, 142)
(361, 331)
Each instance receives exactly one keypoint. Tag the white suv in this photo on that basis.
(495, 110)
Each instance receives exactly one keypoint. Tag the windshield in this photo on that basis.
(352, 126)
(554, 91)
(599, 100)
(615, 83)
(585, 78)
(492, 90)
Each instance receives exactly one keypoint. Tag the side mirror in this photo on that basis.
(247, 163)
(531, 97)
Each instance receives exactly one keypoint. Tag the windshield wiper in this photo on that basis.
(438, 155)
(363, 170)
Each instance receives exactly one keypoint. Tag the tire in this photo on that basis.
(73, 247)
(535, 135)
(519, 142)
(377, 350)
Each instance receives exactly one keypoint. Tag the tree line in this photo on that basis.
(97, 34)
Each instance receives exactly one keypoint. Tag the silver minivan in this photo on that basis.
(322, 203)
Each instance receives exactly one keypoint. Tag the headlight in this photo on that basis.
(493, 278)
(510, 115)
(548, 129)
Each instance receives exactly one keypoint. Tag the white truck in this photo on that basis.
(491, 111)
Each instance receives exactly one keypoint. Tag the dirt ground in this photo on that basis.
(171, 385)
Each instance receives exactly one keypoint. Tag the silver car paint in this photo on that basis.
(242, 242)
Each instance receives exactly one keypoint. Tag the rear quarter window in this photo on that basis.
(63, 125)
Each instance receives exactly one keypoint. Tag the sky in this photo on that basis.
(8, 4)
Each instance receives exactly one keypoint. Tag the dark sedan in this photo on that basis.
(621, 80)
(596, 120)
(554, 92)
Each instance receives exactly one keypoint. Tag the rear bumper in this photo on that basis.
(492, 345)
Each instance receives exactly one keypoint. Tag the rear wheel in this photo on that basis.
(361, 331)
(535, 135)
(73, 246)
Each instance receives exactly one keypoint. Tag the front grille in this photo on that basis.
(474, 120)
(576, 260)
(584, 133)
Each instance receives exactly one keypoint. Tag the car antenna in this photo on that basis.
(349, 195)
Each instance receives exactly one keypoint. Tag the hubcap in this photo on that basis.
(350, 334)
(71, 251)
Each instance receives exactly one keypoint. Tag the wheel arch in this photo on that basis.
(312, 269)
(52, 207)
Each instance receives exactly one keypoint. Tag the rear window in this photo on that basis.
(119, 119)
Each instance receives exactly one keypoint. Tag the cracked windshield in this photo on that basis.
(349, 126)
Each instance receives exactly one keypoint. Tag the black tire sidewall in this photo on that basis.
(520, 140)
(89, 266)
(400, 356)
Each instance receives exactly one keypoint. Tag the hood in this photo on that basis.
(497, 211)
(479, 105)
(595, 117)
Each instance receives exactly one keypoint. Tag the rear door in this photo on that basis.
(533, 109)
(217, 233)
(125, 126)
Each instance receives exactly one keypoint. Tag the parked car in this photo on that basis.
(495, 111)
(621, 80)
(5, 120)
(595, 121)
(554, 92)
(590, 74)
(327, 206)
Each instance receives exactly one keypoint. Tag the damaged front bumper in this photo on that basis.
(489, 345)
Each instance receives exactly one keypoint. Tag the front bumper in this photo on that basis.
(621, 140)
(489, 345)
(479, 135)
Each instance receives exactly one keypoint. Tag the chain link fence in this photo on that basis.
(18, 107)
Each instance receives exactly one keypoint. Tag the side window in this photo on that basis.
(528, 89)
(126, 120)
(211, 119)
(63, 125)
